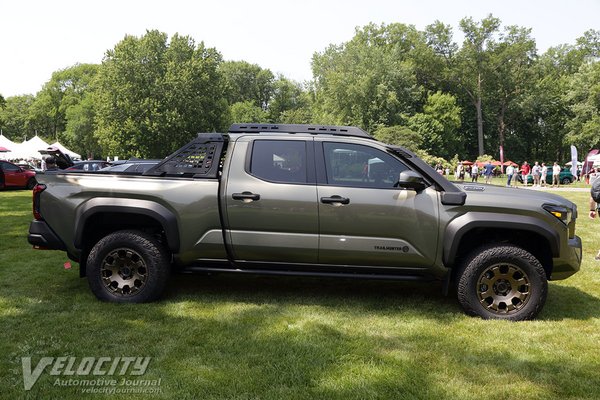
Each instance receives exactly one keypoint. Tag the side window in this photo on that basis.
(10, 167)
(360, 166)
(279, 161)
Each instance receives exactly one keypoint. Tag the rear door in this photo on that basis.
(271, 200)
(13, 175)
(366, 221)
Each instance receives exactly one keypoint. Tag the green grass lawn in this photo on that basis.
(283, 338)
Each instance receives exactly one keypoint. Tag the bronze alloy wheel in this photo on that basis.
(123, 272)
(503, 288)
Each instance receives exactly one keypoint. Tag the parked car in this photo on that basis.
(565, 177)
(131, 166)
(16, 177)
(89, 165)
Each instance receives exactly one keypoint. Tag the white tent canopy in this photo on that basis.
(62, 148)
(28, 150)
(8, 144)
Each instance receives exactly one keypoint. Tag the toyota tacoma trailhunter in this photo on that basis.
(307, 200)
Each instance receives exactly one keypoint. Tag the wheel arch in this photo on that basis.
(101, 212)
(472, 230)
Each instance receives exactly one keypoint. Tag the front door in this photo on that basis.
(365, 220)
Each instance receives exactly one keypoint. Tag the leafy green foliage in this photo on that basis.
(399, 135)
(154, 95)
(584, 97)
(14, 117)
(370, 80)
(247, 112)
(247, 82)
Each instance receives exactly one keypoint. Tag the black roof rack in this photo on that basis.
(300, 128)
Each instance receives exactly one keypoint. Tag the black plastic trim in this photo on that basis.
(41, 235)
(166, 218)
(458, 227)
(316, 274)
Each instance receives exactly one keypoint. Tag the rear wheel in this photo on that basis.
(502, 282)
(566, 181)
(128, 267)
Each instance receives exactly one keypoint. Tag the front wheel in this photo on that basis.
(566, 181)
(502, 282)
(128, 267)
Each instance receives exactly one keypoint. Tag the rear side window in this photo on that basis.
(279, 161)
(10, 167)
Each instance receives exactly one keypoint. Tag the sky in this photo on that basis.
(38, 37)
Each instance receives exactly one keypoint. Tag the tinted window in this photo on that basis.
(10, 167)
(360, 166)
(279, 161)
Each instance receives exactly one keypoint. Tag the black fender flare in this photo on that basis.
(163, 215)
(458, 227)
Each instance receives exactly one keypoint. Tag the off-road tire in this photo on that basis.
(502, 282)
(128, 267)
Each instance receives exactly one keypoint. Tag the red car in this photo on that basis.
(14, 176)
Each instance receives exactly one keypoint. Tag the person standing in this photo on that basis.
(594, 204)
(525, 169)
(488, 171)
(544, 174)
(460, 172)
(510, 171)
(536, 171)
(555, 174)
(474, 173)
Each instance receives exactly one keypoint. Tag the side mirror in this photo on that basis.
(411, 180)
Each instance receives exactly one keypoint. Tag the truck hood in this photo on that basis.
(509, 197)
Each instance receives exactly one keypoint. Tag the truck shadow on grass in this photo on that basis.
(424, 299)
(366, 295)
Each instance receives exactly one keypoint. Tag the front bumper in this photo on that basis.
(567, 265)
(43, 237)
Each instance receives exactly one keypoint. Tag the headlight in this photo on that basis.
(560, 212)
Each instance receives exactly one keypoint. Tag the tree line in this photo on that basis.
(417, 88)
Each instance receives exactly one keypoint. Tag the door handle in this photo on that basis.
(246, 196)
(335, 200)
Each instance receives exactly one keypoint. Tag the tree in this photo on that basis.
(247, 82)
(14, 117)
(584, 99)
(61, 100)
(438, 125)
(510, 73)
(247, 112)
(473, 63)
(400, 136)
(153, 95)
(286, 96)
(370, 80)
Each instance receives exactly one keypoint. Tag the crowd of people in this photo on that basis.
(536, 175)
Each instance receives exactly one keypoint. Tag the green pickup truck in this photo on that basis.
(305, 200)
